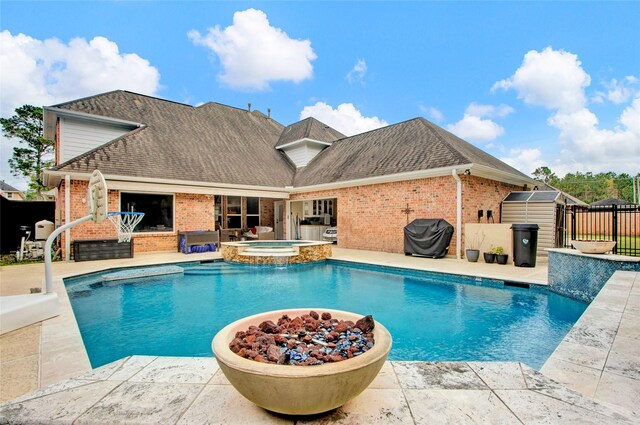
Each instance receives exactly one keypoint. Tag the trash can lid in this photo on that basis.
(525, 226)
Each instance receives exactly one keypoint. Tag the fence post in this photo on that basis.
(614, 224)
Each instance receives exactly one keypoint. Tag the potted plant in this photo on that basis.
(473, 252)
(489, 256)
(501, 257)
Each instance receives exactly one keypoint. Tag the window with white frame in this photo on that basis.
(253, 212)
(234, 212)
(158, 210)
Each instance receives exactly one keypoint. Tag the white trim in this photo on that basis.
(196, 187)
(67, 217)
(476, 170)
(454, 173)
(303, 140)
(89, 117)
(388, 178)
(178, 186)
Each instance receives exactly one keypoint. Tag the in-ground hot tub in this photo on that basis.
(275, 252)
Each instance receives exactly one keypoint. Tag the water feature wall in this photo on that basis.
(581, 276)
(239, 252)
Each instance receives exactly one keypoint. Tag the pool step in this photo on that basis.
(141, 273)
(206, 271)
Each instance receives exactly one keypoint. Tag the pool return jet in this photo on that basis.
(17, 311)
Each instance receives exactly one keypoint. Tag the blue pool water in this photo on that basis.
(430, 316)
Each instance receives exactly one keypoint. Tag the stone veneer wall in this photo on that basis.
(306, 254)
(582, 276)
(370, 217)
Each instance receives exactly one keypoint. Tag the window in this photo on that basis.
(217, 205)
(234, 212)
(157, 209)
(253, 212)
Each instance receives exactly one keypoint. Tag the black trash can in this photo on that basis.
(525, 244)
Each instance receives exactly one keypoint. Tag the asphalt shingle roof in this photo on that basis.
(411, 145)
(309, 128)
(6, 187)
(220, 144)
(213, 142)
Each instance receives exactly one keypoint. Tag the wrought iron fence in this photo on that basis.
(619, 223)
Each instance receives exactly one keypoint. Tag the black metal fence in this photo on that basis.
(619, 223)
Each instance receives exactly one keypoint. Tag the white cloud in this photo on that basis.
(476, 129)
(525, 160)
(555, 79)
(357, 72)
(473, 127)
(44, 72)
(551, 78)
(488, 110)
(253, 53)
(620, 91)
(345, 118)
(436, 114)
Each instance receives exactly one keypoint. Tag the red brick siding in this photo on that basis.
(370, 217)
(266, 212)
(192, 212)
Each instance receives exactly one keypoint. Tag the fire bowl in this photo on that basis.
(299, 390)
(593, 247)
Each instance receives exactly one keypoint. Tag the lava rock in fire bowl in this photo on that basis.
(326, 363)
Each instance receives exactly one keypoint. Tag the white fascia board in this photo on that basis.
(502, 176)
(305, 140)
(474, 169)
(143, 184)
(389, 178)
(52, 113)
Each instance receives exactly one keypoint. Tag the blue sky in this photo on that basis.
(548, 83)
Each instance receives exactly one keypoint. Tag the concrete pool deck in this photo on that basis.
(599, 363)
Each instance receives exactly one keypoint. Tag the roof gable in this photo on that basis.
(411, 145)
(308, 128)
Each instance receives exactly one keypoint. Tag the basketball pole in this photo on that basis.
(48, 274)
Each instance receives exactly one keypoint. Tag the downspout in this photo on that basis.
(67, 217)
(454, 173)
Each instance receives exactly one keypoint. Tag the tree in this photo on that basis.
(544, 174)
(29, 161)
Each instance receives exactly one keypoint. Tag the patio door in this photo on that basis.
(278, 219)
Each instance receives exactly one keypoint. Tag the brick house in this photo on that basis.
(215, 166)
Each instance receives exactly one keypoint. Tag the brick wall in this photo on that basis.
(370, 217)
(266, 212)
(192, 212)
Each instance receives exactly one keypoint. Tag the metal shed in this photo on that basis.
(546, 208)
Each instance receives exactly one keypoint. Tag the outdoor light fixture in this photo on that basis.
(467, 172)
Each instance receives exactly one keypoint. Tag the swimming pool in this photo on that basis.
(431, 316)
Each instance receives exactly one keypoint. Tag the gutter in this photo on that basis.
(53, 178)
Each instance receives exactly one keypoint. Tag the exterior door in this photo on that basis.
(278, 219)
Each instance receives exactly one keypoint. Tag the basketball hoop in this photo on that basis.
(125, 222)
